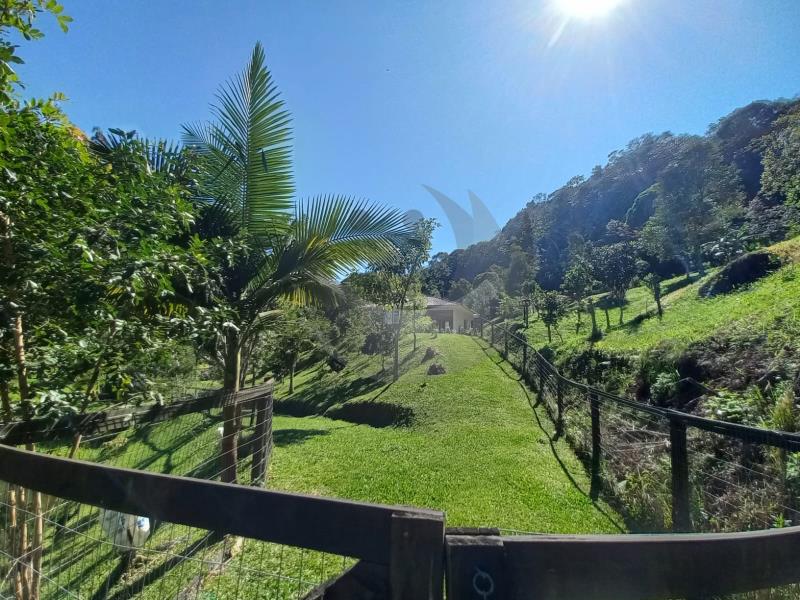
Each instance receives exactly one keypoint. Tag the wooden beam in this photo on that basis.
(342, 527)
(416, 569)
(643, 567)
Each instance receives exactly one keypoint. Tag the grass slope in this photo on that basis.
(473, 447)
(767, 304)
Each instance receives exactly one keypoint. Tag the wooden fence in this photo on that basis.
(553, 390)
(406, 553)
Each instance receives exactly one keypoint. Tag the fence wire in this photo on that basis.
(735, 484)
(93, 554)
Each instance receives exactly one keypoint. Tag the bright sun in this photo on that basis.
(587, 9)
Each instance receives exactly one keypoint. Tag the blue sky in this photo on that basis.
(459, 95)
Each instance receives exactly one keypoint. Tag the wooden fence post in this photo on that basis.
(416, 563)
(594, 491)
(262, 437)
(559, 406)
(524, 362)
(476, 567)
(505, 340)
(679, 462)
(481, 322)
(540, 391)
(491, 335)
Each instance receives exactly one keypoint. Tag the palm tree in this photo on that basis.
(275, 248)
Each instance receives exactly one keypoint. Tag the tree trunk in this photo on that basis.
(608, 320)
(414, 326)
(594, 318)
(578, 324)
(36, 552)
(231, 412)
(292, 367)
(22, 366)
(5, 401)
(659, 308)
(621, 304)
(396, 370)
(549, 335)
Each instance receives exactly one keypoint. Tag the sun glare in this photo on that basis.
(587, 9)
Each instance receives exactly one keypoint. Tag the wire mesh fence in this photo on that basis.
(89, 552)
(665, 470)
(56, 548)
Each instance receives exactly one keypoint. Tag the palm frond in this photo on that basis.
(329, 237)
(246, 153)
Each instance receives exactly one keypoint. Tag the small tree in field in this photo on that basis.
(653, 283)
(578, 284)
(616, 268)
(552, 307)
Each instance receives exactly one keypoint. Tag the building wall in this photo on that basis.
(454, 317)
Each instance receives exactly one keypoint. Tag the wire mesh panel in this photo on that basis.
(635, 463)
(740, 485)
(88, 552)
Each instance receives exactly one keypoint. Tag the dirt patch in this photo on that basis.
(742, 271)
(436, 369)
(374, 414)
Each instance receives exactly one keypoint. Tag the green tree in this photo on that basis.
(521, 268)
(781, 176)
(20, 16)
(653, 283)
(459, 289)
(271, 252)
(616, 267)
(552, 307)
(698, 196)
(578, 285)
(395, 281)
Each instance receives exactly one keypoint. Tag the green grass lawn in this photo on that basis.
(469, 444)
(473, 447)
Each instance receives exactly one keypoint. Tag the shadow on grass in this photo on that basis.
(509, 371)
(287, 437)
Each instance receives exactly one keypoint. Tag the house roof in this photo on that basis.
(434, 301)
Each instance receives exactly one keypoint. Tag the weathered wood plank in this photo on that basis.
(650, 566)
(416, 570)
(476, 568)
(341, 527)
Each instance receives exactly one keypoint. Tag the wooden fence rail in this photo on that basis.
(119, 418)
(401, 548)
(620, 567)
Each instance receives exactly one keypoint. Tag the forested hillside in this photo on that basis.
(684, 200)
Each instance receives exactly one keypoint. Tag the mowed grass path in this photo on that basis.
(474, 448)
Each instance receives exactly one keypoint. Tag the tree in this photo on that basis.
(552, 307)
(395, 281)
(616, 268)
(781, 176)
(459, 289)
(270, 252)
(20, 15)
(578, 284)
(698, 196)
(481, 298)
(521, 268)
(653, 283)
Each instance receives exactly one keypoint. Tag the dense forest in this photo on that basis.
(683, 200)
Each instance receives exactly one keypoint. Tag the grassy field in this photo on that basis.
(471, 446)
(466, 442)
(687, 316)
